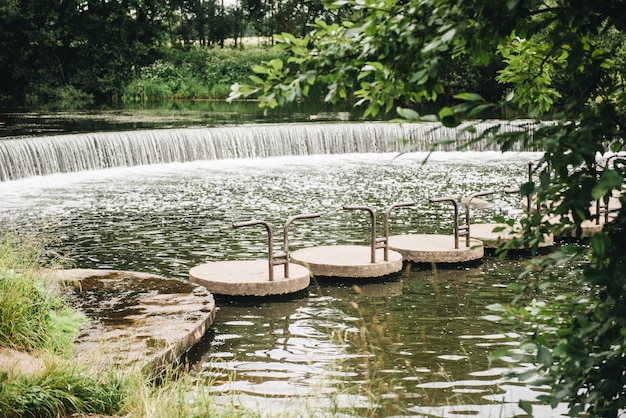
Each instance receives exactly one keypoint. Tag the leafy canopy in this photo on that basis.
(562, 60)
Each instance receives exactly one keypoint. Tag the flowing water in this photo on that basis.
(415, 345)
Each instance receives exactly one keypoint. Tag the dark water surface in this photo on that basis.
(29, 122)
(417, 345)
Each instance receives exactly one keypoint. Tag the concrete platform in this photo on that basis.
(588, 227)
(491, 239)
(249, 278)
(435, 248)
(136, 320)
(591, 226)
(347, 261)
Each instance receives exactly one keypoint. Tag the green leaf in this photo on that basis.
(544, 356)
(477, 110)
(277, 63)
(259, 69)
(526, 406)
(449, 35)
(256, 79)
(600, 244)
(432, 46)
(448, 118)
(419, 77)
(609, 180)
(408, 114)
(470, 97)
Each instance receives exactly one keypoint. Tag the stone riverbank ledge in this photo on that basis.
(136, 319)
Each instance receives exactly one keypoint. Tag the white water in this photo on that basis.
(37, 156)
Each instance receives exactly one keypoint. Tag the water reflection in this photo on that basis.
(22, 122)
(417, 345)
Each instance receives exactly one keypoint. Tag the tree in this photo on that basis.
(397, 54)
(88, 45)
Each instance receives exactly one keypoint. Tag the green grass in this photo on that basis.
(32, 316)
(62, 389)
(35, 319)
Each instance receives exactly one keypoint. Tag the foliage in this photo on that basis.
(196, 73)
(60, 390)
(63, 97)
(96, 47)
(31, 316)
(558, 62)
(528, 64)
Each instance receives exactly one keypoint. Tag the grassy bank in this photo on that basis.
(38, 327)
(38, 377)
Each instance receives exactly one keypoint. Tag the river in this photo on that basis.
(418, 344)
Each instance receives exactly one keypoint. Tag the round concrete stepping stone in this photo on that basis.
(347, 261)
(435, 248)
(491, 239)
(588, 227)
(249, 278)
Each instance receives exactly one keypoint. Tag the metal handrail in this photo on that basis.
(286, 235)
(276, 259)
(372, 213)
(529, 198)
(466, 228)
(386, 224)
(456, 216)
(270, 243)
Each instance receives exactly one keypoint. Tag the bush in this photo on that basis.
(62, 97)
(197, 73)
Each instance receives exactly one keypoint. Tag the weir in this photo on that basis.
(37, 156)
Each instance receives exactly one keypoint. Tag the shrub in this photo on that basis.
(198, 73)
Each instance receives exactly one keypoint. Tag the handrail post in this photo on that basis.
(372, 213)
(468, 202)
(386, 224)
(286, 235)
(280, 257)
(599, 208)
(270, 242)
(456, 216)
(529, 197)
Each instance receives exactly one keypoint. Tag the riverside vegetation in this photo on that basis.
(38, 326)
(199, 73)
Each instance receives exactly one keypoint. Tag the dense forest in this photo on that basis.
(111, 51)
(96, 47)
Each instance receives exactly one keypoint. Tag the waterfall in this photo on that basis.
(36, 156)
